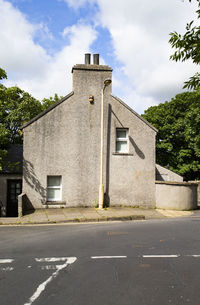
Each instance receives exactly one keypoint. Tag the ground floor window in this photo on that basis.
(54, 188)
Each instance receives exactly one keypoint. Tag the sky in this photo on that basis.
(40, 41)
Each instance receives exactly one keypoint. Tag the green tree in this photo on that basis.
(17, 107)
(48, 102)
(187, 46)
(3, 131)
(2, 74)
(178, 138)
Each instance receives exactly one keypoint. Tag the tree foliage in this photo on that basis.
(187, 46)
(2, 74)
(48, 102)
(16, 108)
(178, 138)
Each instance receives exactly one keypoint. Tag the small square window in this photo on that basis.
(122, 140)
(54, 188)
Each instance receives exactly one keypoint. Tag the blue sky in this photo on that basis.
(41, 40)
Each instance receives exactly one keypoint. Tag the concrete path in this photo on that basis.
(77, 215)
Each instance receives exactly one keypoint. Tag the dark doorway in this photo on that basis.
(14, 188)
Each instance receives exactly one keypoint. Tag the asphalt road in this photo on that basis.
(129, 263)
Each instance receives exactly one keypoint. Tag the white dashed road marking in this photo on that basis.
(6, 261)
(161, 256)
(41, 287)
(99, 257)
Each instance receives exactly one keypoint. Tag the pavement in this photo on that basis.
(82, 215)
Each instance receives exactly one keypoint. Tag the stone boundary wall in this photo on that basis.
(20, 204)
(198, 191)
(23, 204)
(180, 196)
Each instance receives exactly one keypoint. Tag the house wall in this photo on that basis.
(164, 174)
(3, 190)
(66, 141)
(131, 177)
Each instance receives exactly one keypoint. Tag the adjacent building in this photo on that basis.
(11, 181)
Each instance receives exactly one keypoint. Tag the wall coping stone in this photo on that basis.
(177, 183)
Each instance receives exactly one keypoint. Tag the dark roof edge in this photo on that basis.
(10, 173)
(130, 109)
(48, 110)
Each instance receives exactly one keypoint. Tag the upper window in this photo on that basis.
(54, 188)
(122, 140)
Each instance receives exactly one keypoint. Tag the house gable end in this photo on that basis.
(48, 110)
(135, 113)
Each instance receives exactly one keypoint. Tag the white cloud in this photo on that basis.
(76, 4)
(58, 73)
(18, 52)
(28, 65)
(130, 96)
(140, 33)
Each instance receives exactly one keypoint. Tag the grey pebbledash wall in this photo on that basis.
(65, 141)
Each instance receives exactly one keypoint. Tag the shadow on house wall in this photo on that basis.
(32, 180)
(137, 149)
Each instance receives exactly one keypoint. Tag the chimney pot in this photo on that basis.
(96, 59)
(87, 58)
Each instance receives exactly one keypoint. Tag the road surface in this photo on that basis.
(124, 263)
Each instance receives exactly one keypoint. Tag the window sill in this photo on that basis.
(121, 154)
(55, 203)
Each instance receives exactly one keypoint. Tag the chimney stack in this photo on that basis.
(87, 58)
(96, 59)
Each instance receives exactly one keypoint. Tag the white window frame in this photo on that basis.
(55, 187)
(122, 140)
